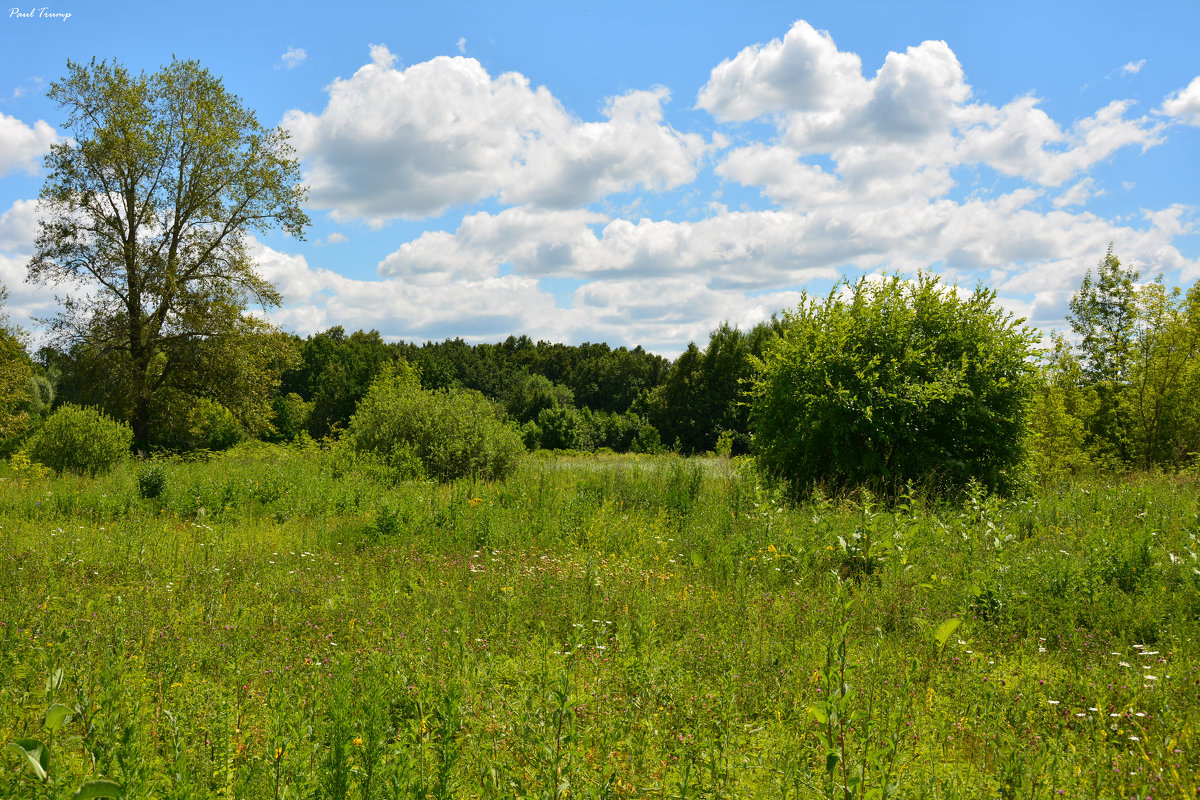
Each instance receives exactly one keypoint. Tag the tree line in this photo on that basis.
(149, 202)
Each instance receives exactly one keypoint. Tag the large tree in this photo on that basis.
(148, 205)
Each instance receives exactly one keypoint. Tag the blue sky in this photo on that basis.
(637, 173)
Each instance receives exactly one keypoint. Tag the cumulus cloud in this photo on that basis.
(1078, 194)
(1185, 103)
(661, 283)
(760, 255)
(18, 227)
(481, 308)
(896, 134)
(802, 71)
(1133, 67)
(293, 58)
(22, 146)
(412, 142)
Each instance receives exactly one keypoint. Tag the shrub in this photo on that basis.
(212, 426)
(452, 434)
(152, 481)
(81, 440)
(292, 413)
(893, 381)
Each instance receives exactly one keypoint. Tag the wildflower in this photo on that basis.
(358, 741)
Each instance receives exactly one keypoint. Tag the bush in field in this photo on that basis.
(451, 434)
(152, 481)
(82, 440)
(212, 426)
(892, 381)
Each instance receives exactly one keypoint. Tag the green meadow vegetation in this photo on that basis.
(879, 546)
(286, 621)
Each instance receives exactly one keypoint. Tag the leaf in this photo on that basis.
(56, 717)
(54, 681)
(36, 753)
(945, 629)
(97, 789)
(818, 714)
(831, 761)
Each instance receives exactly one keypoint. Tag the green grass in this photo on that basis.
(282, 623)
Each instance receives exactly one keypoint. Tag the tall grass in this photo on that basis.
(294, 623)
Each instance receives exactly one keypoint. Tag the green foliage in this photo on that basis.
(1103, 314)
(533, 394)
(15, 379)
(451, 434)
(286, 621)
(151, 196)
(1163, 393)
(889, 382)
(291, 419)
(564, 428)
(1057, 436)
(212, 426)
(703, 394)
(647, 440)
(598, 377)
(1137, 387)
(81, 440)
(152, 481)
(333, 373)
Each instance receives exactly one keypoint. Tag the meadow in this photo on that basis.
(292, 623)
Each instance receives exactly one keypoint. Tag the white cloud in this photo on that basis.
(22, 146)
(293, 58)
(745, 256)
(411, 142)
(1078, 194)
(481, 309)
(462, 45)
(1133, 67)
(803, 71)
(897, 133)
(1185, 103)
(660, 283)
(18, 227)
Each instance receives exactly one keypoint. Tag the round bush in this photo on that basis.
(80, 440)
(452, 434)
(212, 426)
(893, 381)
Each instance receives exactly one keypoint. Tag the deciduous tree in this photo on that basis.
(148, 205)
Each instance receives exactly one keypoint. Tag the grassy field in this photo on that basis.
(283, 623)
